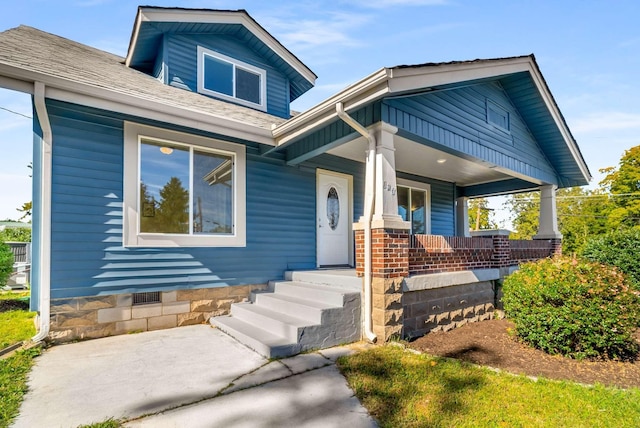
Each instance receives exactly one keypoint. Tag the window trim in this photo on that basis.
(498, 108)
(202, 51)
(426, 187)
(132, 237)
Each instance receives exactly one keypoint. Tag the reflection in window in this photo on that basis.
(174, 178)
(333, 208)
(412, 208)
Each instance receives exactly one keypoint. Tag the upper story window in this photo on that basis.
(225, 77)
(498, 116)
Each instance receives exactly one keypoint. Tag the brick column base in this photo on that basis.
(556, 247)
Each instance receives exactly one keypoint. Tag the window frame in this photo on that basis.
(134, 133)
(202, 51)
(425, 187)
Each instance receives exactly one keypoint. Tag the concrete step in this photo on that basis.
(263, 342)
(291, 305)
(274, 322)
(337, 278)
(308, 291)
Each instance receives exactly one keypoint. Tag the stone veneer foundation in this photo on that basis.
(93, 317)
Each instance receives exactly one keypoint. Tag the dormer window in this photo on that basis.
(224, 77)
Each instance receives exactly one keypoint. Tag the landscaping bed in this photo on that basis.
(490, 343)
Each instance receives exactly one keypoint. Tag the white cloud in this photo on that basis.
(606, 121)
(308, 34)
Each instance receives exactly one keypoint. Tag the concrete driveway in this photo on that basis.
(186, 377)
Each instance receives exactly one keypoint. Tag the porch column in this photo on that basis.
(386, 202)
(548, 219)
(462, 216)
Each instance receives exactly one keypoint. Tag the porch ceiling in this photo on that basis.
(418, 159)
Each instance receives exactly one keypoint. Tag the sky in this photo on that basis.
(588, 52)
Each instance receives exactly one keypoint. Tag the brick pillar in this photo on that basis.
(556, 247)
(390, 266)
(359, 235)
(501, 254)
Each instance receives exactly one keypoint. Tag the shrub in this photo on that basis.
(17, 234)
(575, 308)
(6, 263)
(617, 249)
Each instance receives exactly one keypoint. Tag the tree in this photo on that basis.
(172, 213)
(581, 214)
(27, 206)
(623, 183)
(480, 215)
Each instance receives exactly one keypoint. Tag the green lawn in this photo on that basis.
(16, 325)
(403, 389)
(16, 322)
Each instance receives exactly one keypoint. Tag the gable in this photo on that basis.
(154, 25)
(458, 120)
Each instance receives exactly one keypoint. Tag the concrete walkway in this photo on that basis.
(187, 377)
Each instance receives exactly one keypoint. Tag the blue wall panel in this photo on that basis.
(87, 253)
(182, 66)
(455, 120)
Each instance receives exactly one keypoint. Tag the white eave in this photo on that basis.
(94, 96)
(152, 14)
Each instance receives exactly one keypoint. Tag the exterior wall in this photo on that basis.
(99, 316)
(182, 66)
(446, 308)
(456, 119)
(88, 258)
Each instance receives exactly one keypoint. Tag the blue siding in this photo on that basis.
(442, 204)
(182, 64)
(455, 121)
(87, 253)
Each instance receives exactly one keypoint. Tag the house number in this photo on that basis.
(389, 188)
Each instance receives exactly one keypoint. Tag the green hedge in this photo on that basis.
(6, 263)
(619, 249)
(575, 308)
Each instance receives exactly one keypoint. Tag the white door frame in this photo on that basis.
(349, 179)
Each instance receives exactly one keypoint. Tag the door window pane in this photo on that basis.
(333, 208)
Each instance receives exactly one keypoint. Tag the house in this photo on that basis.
(174, 184)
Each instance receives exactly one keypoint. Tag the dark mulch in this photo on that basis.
(12, 305)
(489, 343)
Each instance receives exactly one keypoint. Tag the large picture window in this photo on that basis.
(184, 190)
(413, 205)
(225, 77)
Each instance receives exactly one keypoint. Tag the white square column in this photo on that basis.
(462, 216)
(548, 219)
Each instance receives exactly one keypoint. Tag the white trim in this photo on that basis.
(222, 17)
(349, 179)
(131, 236)
(420, 186)
(44, 252)
(262, 105)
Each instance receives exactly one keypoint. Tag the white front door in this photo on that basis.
(333, 218)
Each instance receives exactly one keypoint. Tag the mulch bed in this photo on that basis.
(12, 305)
(489, 343)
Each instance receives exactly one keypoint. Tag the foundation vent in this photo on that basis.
(146, 298)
